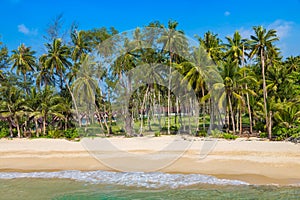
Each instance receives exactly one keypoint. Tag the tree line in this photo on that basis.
(40, 95)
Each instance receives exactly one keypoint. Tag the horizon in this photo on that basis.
(28, 21)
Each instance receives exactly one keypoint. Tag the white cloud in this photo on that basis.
(26, 31)
(282, 27)
(23, 29)
(246, 33)
(227, 13)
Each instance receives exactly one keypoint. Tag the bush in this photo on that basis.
(229, 136)
(4, 132)
(55, 133)
(71, 133)
(216, 133)
(263, 135)
(201, 133)
(157, 134)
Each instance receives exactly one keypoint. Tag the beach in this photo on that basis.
(252, 161)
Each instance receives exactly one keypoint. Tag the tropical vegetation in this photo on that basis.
(42, 94)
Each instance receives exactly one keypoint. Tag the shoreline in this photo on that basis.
(255, 162)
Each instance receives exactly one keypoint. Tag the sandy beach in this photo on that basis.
(253, 161)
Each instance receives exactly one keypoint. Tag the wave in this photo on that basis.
(136, 179)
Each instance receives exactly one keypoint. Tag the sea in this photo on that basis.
(133, 185)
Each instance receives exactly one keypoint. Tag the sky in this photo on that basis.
(26, 21)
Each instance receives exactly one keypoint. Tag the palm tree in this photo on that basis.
(175, 43)
(195, 72)
(236, 51)
(57, 59)
(44, 77)
(80, 45)
(261, 45)
(51, 105)
(12, 106)
(212, 44)
(85, 86)
(24, 61)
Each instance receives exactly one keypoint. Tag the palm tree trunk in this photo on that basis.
(10, 127)
(18, 128)
(265, 93)
(36, 127)
(249, 110)
(241, 121)
(232, 115)
(44, 125)
(74, 102)
(203, 109)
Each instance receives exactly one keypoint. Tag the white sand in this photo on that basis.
(259, 162)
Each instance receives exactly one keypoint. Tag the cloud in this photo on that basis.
(282, 27)
(23, 29)
(26, 31)
(246, 33)
(227, 13)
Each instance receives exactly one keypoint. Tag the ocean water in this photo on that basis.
(133, 185)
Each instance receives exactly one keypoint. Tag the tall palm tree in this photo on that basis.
(175, 44)
(57, 59)
(195, 72)
(23, 61)
(212, 44)
(261, 45)
(43, 76)
(80, 45)
(236, 47)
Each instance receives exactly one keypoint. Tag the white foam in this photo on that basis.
(137, 179)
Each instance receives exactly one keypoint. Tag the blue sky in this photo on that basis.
(25, 21)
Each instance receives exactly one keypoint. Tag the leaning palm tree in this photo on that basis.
(23, 61)
(261, 45)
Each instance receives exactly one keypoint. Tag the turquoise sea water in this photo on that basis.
(117, 185)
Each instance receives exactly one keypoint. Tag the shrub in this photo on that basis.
(71, 133)
(263, 135)
(229, 136)
(4, 132)
(55, 133)
(216, 133)
(201, 133)
(157, 134)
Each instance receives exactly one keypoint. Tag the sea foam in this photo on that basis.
(136, 179)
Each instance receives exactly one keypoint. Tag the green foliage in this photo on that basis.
(263, 135)
(71, 133)
(157, 134)
(216, 133)
(4, 132)
(201, 133)
(55, 134)
(282, 133)
(229, 136)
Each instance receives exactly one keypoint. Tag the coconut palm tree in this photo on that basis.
(80, 45)
(57, 59)
(12, 106)
(261, 45)
(213, 46)
(23, 61)
(175, 44)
